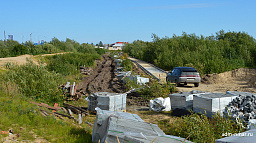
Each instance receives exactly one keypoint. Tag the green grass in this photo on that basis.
(199, 128)
(25, 119)
(35, 81)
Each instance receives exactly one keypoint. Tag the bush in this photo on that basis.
(35, 81)
(198, 128)
(69, 63)
(213, 54)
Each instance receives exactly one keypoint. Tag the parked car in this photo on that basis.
(186, 75)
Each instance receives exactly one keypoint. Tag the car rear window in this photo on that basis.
(189, 70)
(189, 73)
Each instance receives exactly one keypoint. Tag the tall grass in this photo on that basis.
(199, 128)
(25, 119)
(35, 81)
(69, 63)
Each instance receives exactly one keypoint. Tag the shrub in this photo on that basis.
(69, 63)
(198, 128)
(35, 81)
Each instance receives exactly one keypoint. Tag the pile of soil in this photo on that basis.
(241, 74)
(102, 78)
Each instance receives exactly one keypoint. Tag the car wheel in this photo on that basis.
(196, 84)
(177, 84)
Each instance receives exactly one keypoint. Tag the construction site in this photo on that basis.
(118, 112)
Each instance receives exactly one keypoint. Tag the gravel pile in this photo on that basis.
(242, 107)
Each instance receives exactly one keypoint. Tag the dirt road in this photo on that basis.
(102, 78)
(20, 60)
(242, 79)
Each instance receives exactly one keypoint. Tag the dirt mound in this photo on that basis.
(102, 78)
(241, 74)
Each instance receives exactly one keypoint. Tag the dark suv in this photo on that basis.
(184, 75)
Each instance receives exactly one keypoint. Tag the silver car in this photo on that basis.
(186, 75)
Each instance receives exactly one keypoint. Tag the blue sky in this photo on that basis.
(110, 21)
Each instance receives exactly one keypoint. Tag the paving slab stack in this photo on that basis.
(107, 101)
(127, 127)
(183, 100)
(211, 103)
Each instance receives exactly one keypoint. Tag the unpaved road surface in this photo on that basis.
(20, 60)
(242, 79)
(102, 78)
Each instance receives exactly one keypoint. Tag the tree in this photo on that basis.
(100, 44)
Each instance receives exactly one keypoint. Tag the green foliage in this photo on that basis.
(69, 63)
(19, 50)
(35, 81)
(224, 52)
(13, 48)
(127, 64)
(199, 128)
(100, 51)
(25, 119)
(155, 90)
(152, 90)
(100, 44)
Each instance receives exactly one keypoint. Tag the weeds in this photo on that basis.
(25, 119)
(199, 128)
(34, 81)
(69, 63)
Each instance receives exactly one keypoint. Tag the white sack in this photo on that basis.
(160, 104)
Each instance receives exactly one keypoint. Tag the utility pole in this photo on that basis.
(30, 38)
(4, 38)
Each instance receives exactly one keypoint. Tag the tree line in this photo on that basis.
(218, 53)
(12, 48)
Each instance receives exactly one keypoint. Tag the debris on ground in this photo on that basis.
(66, 111)
(135, 99)
(71, 92)
(85, 70)
(160, 104)
(107, 101)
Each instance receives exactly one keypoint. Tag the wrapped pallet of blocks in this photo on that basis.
(107, 101)
(114, 127)
(137, 79)
(183, 100)
(156, 139)
(211, 103)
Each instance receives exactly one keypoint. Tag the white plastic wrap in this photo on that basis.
(109, 124)
(160, 104)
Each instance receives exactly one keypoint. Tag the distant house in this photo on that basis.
(99, 47)
(117, 46)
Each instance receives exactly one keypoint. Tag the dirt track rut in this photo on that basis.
(102, 79)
